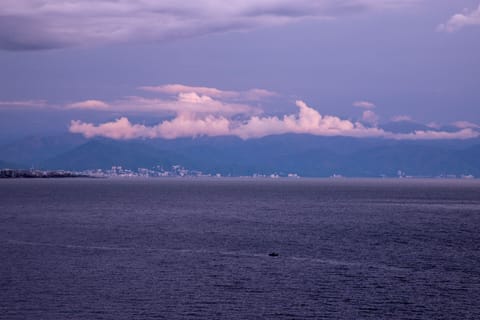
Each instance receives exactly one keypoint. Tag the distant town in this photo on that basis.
(177, 171)
(119, 171)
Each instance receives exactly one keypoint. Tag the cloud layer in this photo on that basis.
(191, 111)
(89, 104)
(181, 104)
(461, 20)
(175, 89)
(364, 104)
(196, 114)
(23, 103)
(45, 24)
(401, 118)
(306, 121)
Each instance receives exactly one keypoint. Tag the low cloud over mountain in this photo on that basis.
(203, 111)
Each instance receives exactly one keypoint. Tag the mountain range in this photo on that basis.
(305, 155)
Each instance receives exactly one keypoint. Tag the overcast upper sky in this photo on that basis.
(146, 69)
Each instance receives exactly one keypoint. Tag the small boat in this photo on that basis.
(273, 254)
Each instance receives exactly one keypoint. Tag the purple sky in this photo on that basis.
(146, 69)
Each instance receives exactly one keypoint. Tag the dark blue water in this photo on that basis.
(188, 249)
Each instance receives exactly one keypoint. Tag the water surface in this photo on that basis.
(193, 248)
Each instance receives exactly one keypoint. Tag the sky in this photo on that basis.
(252, 68)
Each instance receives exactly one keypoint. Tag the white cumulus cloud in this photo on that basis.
(364, 104)
(185, 100)
(466, 125)
(306, 121)
(205, 111)
(461, 20)
(89, 104)
(175, 89)
(370, 117)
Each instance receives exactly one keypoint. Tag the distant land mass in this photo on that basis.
(15, 173)
(5, 164)
(305, 155)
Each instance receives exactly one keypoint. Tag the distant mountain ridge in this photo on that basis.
(405, 126)
(31, 151)
(306, 155)
(10, 165)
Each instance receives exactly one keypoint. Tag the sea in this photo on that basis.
(237, 248)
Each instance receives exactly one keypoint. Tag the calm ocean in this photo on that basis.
(199, 249)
